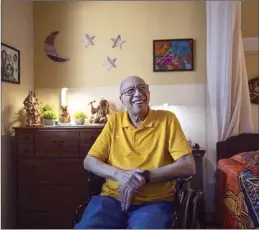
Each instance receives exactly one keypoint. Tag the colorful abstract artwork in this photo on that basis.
(173, 55)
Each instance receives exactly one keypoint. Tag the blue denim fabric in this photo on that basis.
(104, 212)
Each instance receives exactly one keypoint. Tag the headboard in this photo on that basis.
(241, 143)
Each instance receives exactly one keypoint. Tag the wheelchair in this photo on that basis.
(189, 203)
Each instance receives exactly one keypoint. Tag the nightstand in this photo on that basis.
(197, 180)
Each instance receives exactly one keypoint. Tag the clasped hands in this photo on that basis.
(130, 181)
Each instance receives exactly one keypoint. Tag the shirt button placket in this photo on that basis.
(136, 135)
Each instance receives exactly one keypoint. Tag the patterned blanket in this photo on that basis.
(237, 191)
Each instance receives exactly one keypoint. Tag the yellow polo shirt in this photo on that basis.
(157, 142)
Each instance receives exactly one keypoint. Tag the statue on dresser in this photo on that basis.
(32, 108)
(99, 114)
(64, 115)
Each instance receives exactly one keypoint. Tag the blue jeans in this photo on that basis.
(104, 212)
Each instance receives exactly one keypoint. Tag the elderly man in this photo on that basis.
(139, 151)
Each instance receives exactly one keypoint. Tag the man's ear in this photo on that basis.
(122, 100)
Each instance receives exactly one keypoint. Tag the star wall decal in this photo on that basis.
(88, 40)
(110, 63)
(117, 42)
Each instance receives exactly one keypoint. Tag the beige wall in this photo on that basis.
(138, 23)
(249, 14)
(17, 31)
(250, 28)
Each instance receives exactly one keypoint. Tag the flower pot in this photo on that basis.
(48, 122)
(79, 121)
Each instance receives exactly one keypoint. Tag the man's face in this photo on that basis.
(135, 95)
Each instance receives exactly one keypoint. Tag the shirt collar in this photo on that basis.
(148, 122)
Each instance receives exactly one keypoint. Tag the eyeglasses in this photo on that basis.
(131, 90)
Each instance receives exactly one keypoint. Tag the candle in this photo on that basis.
(64, 96)
(165, 106)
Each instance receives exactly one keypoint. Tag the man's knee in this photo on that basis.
(101, 212)
(155, 216)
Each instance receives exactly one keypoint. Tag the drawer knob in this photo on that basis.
(91, 137)
(26, 137)
(61, 143)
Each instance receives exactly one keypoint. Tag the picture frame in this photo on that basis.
(10, 64)
(173, 55)
(253, 85)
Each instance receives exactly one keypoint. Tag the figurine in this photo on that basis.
(99, 114)
(64, 115)
(32, 108)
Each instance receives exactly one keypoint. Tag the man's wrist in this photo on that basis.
(117, 174)
(146, 175)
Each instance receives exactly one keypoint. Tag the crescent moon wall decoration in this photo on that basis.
(50, 49)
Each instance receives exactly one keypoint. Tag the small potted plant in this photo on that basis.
(49, 117)
(43, 109)
(80, 118)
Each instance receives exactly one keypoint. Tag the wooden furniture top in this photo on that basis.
(237, 144)
(71, 127)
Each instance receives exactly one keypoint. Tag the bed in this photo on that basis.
(237, 182)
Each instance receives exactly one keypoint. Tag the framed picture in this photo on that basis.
(253, 90)
(10, 68)
(173, 55)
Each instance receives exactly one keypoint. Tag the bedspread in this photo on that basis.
(237, 191)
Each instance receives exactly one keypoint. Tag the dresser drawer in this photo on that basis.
(36, 220)
(84, 150)
(51, 199)
(25, 137)
(88, 138)
(52, 172)
(57, 144)
(25, 150)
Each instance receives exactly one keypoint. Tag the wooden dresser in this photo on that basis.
(52, 182)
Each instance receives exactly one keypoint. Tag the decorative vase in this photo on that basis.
(79, 121)
(48, 122)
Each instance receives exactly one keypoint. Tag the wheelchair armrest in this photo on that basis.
(182, 197)
(183, 179)
(180, 188)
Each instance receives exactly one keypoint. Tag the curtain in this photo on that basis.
(229, 108)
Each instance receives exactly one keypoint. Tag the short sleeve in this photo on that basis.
(177, 143)
(101, 147)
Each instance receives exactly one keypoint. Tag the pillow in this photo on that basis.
(247, 158)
